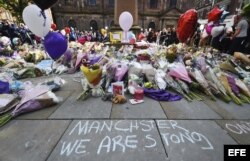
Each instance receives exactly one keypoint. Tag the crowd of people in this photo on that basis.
(167, 36)
(20, 34)
(235, 38)
(229, 40)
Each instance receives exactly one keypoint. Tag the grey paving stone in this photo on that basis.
(224, 113)
(30, 140)
(229, 110)
(99, 140)
(188, 110)
(46, 112)
(191, 140)
(238, 129)
(148, 109)
(90, 108)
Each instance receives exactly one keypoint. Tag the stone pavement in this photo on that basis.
(93, 130)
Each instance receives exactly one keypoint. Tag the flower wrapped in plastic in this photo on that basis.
(223, 79)
(236, 89)
(93, 75)
(120, 71)
(175, 86)
(178, 71)
(33, 98)
(216, 85)
(199, 77)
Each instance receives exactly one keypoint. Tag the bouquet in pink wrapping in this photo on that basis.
(121, 70)
(179, 71)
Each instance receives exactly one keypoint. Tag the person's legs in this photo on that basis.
(236, 45)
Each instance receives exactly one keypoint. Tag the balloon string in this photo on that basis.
(44, 16)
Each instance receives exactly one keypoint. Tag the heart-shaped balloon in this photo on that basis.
(45, 4)
(55, 44)
(38, 22)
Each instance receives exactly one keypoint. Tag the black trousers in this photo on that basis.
(237, 45)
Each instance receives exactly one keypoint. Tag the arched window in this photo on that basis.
(72, 23)
(151, 25)
(93, 24)
(112, 23)
(153, 4)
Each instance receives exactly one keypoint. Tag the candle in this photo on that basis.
(138, 94)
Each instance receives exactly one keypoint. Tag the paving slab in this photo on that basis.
(46, 112)
(192, 140)
(238, 129)
(229, 110)
(188, 110)
(89, 108)
(124, 140)
(24, 140)
(148, 109)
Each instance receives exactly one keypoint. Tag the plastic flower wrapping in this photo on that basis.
(93, 76)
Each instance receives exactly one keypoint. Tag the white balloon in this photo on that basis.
(33, 18)
(125, 21)
(217, 30)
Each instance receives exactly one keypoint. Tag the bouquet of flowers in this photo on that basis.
(223, 78)
(175, 86)
(216, 84)
(33, 98)
(178, 71)
(236, 90)
(199, 77)
(93, 75)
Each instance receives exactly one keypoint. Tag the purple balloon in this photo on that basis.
(55, 44)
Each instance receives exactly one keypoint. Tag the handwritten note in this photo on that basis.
(238, 128)
(123, 136)
(177, 134)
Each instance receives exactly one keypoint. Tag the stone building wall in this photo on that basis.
(81, 12)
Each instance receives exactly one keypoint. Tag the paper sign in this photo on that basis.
(118, 88)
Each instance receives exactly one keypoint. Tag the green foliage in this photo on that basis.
(16, 7)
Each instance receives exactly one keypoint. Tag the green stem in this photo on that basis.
(83, 95)
(5, 119)
(196, 96)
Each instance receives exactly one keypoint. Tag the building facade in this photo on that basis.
(96, 14)
(204, 6)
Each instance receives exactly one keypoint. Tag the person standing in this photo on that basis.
(239, 36)
(163, 35)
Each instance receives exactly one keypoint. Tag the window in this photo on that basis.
(72, 23)
(112, 23)
(111, 2)
(173, 3)
(92, 2)
(153, 4)
(151, 25)
(93, 25)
